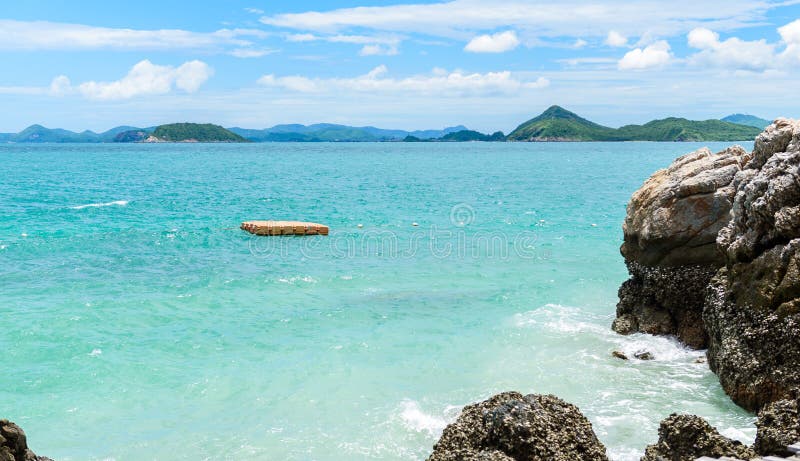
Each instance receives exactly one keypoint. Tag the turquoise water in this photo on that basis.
(139, 322)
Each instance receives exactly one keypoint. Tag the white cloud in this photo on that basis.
(301, 38)
(373, 45)
(461, 19)
(495, 43)
(60, 86)
(593, 61)
(251, 52)
(254, 10)
(655, 55)
(144, 78)
(579, 43)
(378, 50)
(732, 53)
(43, 35)
(616, 39)
(790, 35)
(439, 82)
(702, 38)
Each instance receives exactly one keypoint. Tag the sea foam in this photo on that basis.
(98, 205)
(416, 419)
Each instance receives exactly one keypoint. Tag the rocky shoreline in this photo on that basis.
(712, 244)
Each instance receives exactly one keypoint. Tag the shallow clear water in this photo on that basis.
(138, 322)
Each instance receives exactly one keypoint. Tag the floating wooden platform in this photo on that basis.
(284, 228)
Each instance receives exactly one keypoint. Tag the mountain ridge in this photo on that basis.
(559, 124)
(554, 124)
(747, 119)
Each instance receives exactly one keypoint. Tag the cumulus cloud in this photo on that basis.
(495, 43)
(439, 82)
(616, 39)
(790, 35)
(43, 35)
(144, 78)
(732, 53)
(654, 55)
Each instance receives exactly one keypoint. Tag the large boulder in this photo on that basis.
(752, 311)
(513, 427)
(778, 427)
(688, 437)
(14, 444)
(670, 234)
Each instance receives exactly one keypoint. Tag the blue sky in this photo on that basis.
(486, 64)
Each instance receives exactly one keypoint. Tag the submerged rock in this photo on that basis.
(670, 234)
(14, 444)
(778, 427)
(752, 311)
(513, 427)
(644, 355)
(619, 355)
(688, 437)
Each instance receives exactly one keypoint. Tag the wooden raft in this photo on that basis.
(284, 228)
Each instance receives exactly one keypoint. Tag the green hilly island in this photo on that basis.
(195, 132)
(559, 124)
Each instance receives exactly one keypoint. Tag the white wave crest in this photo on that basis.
(561, 319)
(98, 205)
(414, 418)
(294, 280)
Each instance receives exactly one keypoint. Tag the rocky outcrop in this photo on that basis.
(670, 234)
(688, 437)
(778, 427)
(14, 444)
(752, 310)
(713, 247)
(513, 427)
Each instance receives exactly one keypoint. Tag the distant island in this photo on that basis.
(745, 119)
(193, 132)
(559, 124)
(181, 132)
(554, 124)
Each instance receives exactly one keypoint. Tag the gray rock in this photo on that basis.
(14, 444)
(619, 355)
(778, 427)
(688, 437)
(752, 310)
(670, 233)
(513, 427)
(674, 218)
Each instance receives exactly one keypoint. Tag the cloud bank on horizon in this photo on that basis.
(487, 64)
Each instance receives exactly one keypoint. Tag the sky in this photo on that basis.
(489, 65)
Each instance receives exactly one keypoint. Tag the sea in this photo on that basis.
(138, 322)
